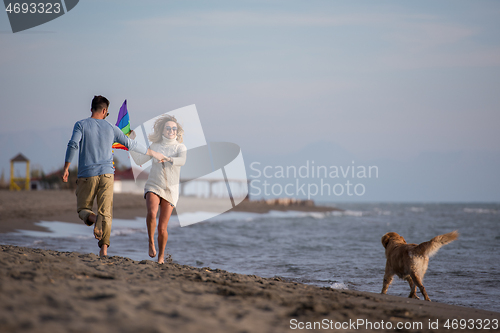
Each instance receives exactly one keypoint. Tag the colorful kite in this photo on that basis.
(123, 123)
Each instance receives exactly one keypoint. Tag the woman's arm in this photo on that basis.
(180, 159)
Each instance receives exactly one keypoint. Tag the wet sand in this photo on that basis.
(49, 291)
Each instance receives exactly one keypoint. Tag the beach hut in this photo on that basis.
(17, 183)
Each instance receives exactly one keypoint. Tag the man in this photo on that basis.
(93, 138)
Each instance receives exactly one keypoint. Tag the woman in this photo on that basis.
(162, 187)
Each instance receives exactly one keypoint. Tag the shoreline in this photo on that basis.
(50, 291)
(20, 210)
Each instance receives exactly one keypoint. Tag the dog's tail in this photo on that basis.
(431, 247)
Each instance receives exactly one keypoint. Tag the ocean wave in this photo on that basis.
(480, 210)
(247, 216)
(382, 212)
(359, 213)
(353, 213)
(88, 236)
(417, 209)
(128, 231)
(339, 285)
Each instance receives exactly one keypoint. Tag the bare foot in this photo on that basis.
(98, 228)
(104, 251)
(152, 250)
(161, 260)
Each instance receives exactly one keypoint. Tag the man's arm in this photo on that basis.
(127, 142)
(180, 159)
(133, 145)
(71, 150)
(138, 158)
(66, 172)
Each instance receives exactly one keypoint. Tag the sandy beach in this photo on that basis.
(49, 291)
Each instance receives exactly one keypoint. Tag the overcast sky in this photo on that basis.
(381, 79)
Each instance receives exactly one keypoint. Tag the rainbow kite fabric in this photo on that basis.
(123, 123)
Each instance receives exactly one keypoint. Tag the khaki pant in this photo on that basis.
(87, 189)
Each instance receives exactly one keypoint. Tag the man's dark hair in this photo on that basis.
(99, 103)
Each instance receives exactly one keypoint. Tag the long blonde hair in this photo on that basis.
(156, 136)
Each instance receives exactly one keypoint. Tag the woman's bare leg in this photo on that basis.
(152, 202)
(165, 212)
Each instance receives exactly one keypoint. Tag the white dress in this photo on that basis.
(164, 177)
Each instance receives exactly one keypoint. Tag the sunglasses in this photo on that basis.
(168, 129)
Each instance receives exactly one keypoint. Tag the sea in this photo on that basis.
(340, 249)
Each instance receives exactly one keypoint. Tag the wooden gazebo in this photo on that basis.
(19, 182)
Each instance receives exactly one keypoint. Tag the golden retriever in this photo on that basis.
(409, 261)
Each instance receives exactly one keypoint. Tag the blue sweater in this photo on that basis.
(95, 138)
